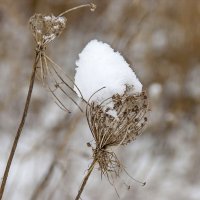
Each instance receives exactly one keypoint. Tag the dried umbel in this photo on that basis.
(45, 28)
(130, 116)
(117, 105)
(115, 121)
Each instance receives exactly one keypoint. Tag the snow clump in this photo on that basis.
(100, 66)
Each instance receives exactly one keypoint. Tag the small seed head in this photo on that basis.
(46, 28)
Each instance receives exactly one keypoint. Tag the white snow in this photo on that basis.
(47, 18)
(55, 19)
(100, 66)
(62, 20)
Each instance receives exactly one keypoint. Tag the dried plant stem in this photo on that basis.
(85, 179)
(20, 128)
(44, 182)
(75, 8)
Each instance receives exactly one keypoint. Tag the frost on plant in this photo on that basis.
(117, 106)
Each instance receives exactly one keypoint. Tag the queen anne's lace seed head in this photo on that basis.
(117, 103)
(109, 131)
(46, 28)
(131, 118)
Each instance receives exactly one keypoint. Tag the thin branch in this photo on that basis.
(54, 69)
(91, 5)
(42, 185)
(85, 179)
(20, 128)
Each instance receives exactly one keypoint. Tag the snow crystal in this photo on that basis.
(47, 18)
(100, 66)
(62, 20)
(49, 37)
(54, 19)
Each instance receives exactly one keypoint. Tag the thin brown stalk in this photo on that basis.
(20, 128)
(86, 179)
(91, 5)
(44, 182)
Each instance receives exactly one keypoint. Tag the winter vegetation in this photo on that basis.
(116, 109)
(158, 65)
(99, 66)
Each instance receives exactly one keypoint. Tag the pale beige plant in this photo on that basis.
(45, 28)
(112, 131)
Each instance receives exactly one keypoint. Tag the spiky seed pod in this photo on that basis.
(115, 125)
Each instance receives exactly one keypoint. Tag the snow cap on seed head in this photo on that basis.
(100, 66)
(117, 105)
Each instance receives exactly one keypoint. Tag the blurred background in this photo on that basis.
(161, 40)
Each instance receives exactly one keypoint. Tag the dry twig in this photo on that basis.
(20, 128)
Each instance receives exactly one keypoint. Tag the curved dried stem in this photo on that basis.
(57, 82)
(56, 65)
(20, 128)
(90, 5)
(140, 182)
(58, 85)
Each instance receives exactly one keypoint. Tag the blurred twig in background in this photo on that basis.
(21, 125)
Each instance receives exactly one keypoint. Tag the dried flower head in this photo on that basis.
(130, 118)
(117, 106)
(45, 28)
(117, 112)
